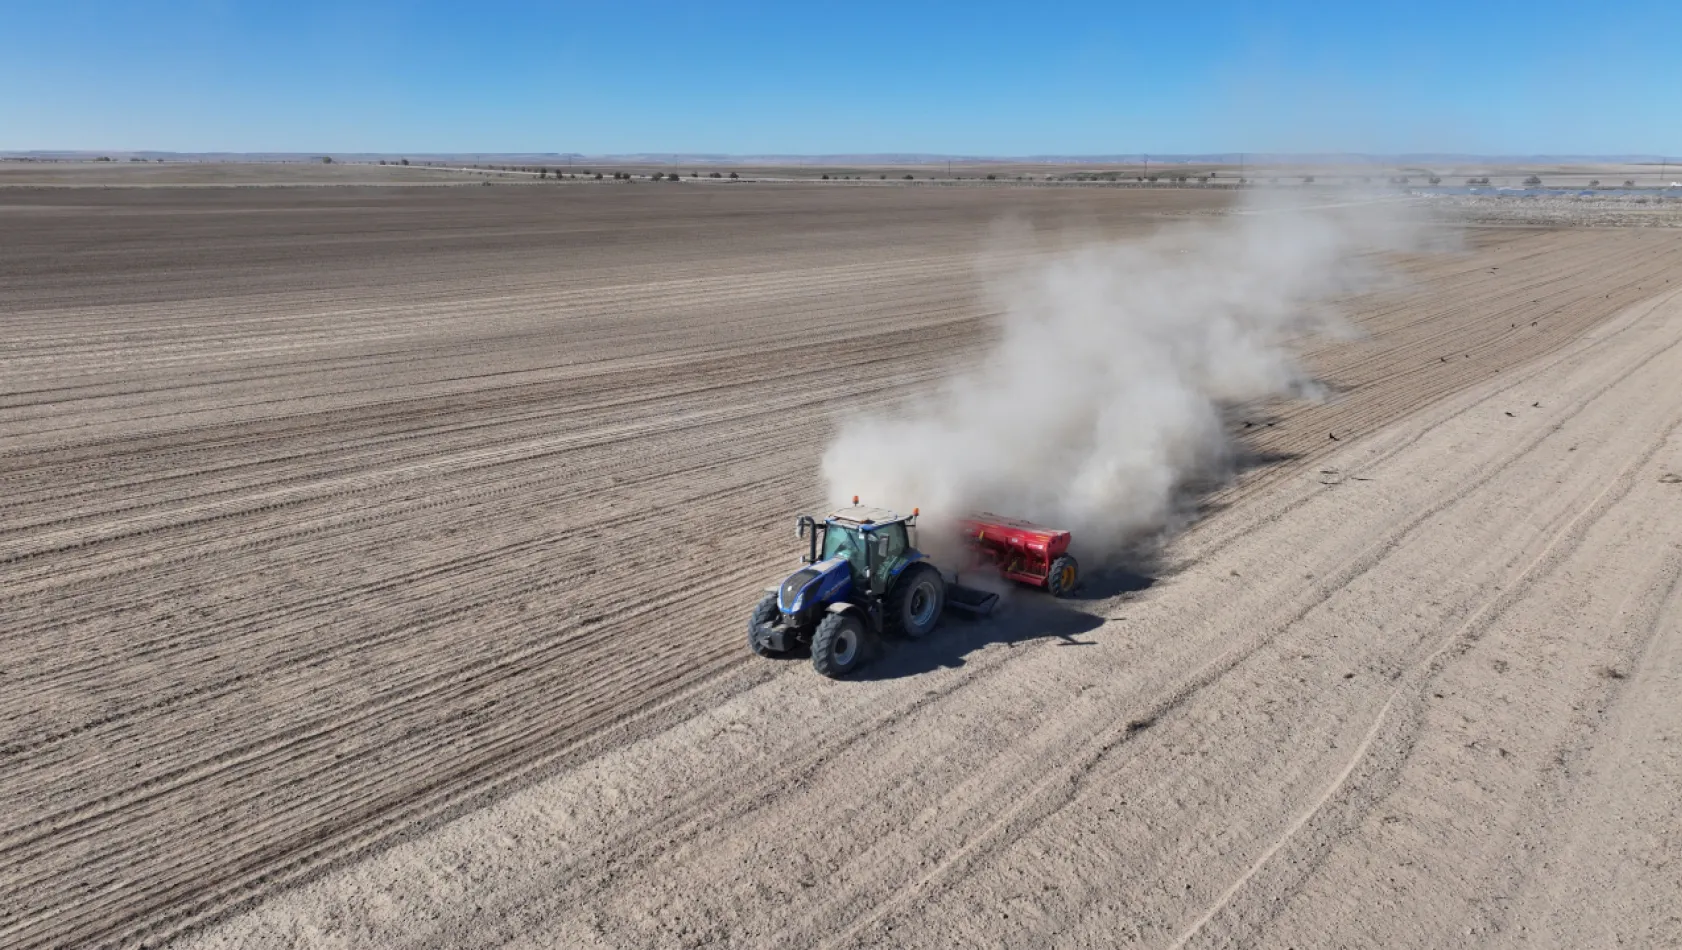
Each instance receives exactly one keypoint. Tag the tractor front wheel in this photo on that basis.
(764, 619)
(1065, 574)
(838, 645)
(915, 603)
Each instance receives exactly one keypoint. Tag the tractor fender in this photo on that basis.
(911, 557)
(852, 609)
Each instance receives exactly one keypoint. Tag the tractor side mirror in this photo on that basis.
(882, 548)
(803, 528)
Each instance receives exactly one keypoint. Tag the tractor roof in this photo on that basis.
(865, 515)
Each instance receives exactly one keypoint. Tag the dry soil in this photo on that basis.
(377, 560)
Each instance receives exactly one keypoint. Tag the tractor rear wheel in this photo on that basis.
(763, 619)
(1064, 575)
(915, 603)
(838, 645)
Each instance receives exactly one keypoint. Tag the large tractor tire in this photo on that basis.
(838, 645)
(764, 617)
(915, 603)
(1064, 577)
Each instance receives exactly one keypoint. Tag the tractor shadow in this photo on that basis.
(1028, 617)
(1023, 616)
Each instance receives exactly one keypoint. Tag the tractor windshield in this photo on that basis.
(845, 541)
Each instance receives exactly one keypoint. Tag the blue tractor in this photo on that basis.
(863, 577)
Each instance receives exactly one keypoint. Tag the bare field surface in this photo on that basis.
(377, 564)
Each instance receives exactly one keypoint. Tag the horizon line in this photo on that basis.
(651, 157)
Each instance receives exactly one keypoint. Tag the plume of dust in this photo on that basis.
(1102, 396)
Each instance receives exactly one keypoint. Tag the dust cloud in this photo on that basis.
(1102, 398)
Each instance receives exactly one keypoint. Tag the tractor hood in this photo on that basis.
(821, 583)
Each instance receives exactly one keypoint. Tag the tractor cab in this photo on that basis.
(875, 542)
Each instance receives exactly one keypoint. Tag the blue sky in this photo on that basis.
(1541, 76)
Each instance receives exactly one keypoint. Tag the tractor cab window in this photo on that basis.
(890, 562)
(895, 533)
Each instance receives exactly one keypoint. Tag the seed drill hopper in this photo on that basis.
(1022, 552)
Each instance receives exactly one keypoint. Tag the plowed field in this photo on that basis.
(376, 561)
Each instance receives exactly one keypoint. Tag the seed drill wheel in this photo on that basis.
(838, 645)
(1064, 575)
(915, 603)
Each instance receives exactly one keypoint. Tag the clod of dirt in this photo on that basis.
(1612, 673)
(1139, 725)
(1670, 478)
